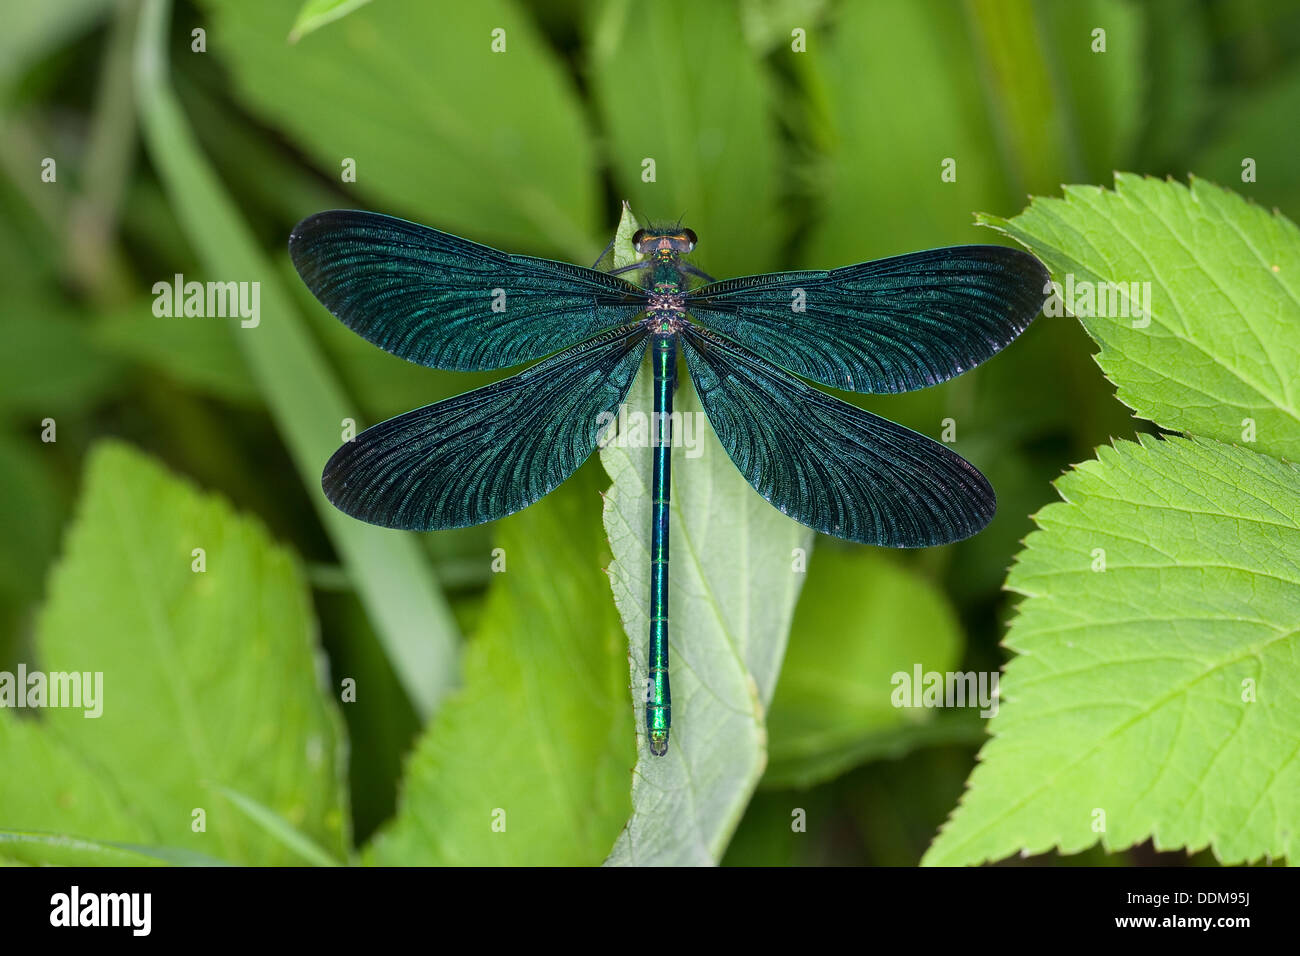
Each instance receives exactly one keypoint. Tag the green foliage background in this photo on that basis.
(183, 433)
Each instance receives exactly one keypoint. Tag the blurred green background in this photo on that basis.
(777, 158)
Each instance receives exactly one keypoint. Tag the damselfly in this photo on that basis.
(891, 325)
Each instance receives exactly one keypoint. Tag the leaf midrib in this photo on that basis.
(164, 639)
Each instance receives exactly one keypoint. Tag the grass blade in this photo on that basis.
(393, 578)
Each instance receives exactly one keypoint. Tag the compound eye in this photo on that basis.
(636, 238)
(691, 237)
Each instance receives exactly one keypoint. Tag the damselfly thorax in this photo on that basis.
(665, 276)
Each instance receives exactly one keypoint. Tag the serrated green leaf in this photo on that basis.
(861, 619)
(1222, 343)
(528, 764)
(216, 669)
(732, 590)
(1157, 698)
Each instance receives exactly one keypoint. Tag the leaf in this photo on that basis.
(732, 590)
(381, 723)
(622, 250)
(528, 763)
(51, 365)
(1223, 340)
(392, 576)
(1178, 61)
(34, 505)
(33, 30)
(314, 14)
(861, 619)
(1060, 108)
(1098, 92)
(442, 129)
(53, 849)
(770, 24)
(278, 828)
(1161, 691)
(897, 807)
(60, 789)
(704, 126)
(197, 352)
(718, 802)
(845, 74)
(1250, 130)
(217, 670)
(1014, 126)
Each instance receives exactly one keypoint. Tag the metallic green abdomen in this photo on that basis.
(658, 709)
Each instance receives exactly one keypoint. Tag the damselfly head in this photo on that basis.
(675, 239)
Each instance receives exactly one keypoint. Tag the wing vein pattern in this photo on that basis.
(489, 452)
(438, 300)
(831, 465)
(892, 325)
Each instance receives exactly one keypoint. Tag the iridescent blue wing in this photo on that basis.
(490, 452)
(448, 303)
(828, 464)
(891, 325)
